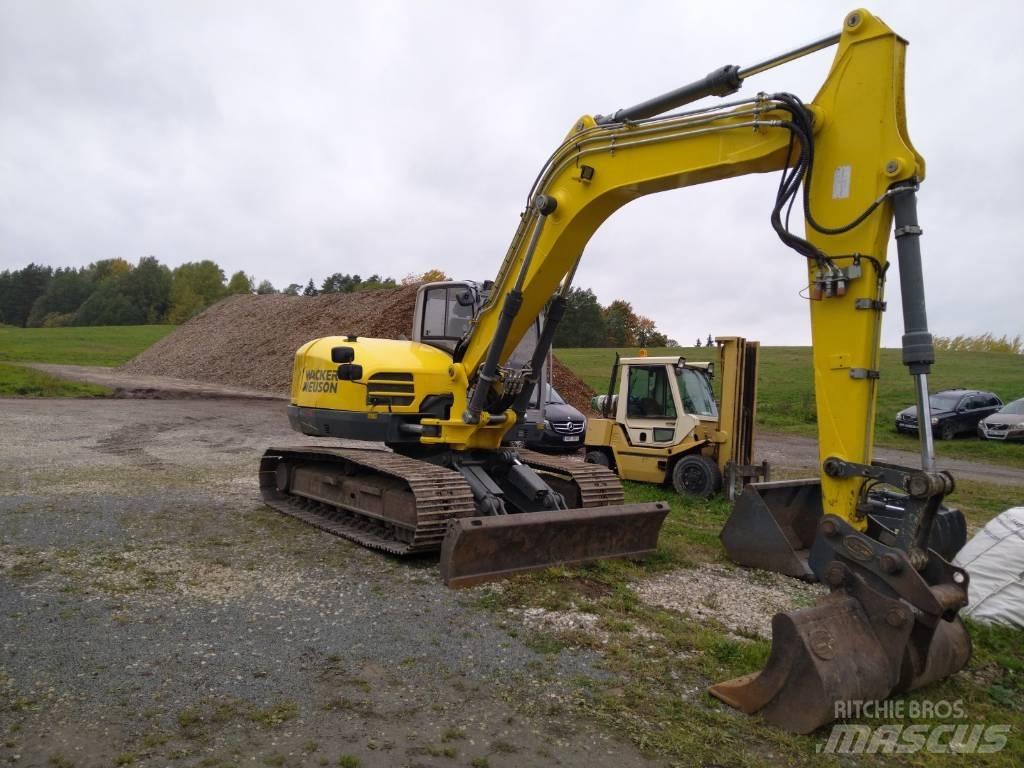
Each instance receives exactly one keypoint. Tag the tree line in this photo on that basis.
(588, 324)
(115, 292)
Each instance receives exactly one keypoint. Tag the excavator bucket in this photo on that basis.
(477, 549)
(843, 650)
(772, 526)
(820, 655)
(864, 641)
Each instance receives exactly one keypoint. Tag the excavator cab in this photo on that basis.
(444, 311)
(660, 422)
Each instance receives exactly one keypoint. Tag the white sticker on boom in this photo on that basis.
(841, 183)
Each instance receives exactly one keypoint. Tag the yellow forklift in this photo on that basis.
(660, 422)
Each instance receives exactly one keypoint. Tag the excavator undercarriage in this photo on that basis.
(495, 515)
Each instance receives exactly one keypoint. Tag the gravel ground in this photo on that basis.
(744, 601)
(154, 612)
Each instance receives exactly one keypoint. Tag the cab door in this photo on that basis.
(650, 407)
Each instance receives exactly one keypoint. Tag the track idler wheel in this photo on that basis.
(282, 477)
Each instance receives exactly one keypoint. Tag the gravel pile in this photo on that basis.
(250, 341)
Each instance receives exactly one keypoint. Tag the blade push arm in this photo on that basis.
(861, 152)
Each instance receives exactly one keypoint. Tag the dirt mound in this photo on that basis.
(572, 388)
(250, 341)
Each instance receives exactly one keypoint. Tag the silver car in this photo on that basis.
(1005, 424)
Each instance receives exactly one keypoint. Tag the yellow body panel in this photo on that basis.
(315, 384)
(861, 149)
(644, 464)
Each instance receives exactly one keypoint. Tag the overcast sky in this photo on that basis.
(293, 140)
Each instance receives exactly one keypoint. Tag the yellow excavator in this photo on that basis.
(425, 468)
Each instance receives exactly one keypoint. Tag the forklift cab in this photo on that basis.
(665, 399)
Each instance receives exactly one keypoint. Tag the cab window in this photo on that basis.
(650, 395)
(444, 317)
(695, 390)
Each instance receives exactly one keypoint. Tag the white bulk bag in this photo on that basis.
(994, 558)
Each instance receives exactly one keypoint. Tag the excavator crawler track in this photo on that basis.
(595, 485)
(434, 495)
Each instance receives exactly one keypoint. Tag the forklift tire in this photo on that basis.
(598, 457)
(696, 475)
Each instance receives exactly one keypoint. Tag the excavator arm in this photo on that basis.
(861, 156)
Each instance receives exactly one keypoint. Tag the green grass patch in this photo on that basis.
(17, 381)
(96, 345)
(980, 502)
(786, 391)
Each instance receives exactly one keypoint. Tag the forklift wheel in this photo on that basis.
(696, 475)
(598, 457)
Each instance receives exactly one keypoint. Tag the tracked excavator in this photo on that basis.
(427, 470)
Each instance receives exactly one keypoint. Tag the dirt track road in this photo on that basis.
(154, 612)
(795, 452)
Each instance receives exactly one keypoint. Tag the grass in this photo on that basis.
(656, 692)
(981, 502)
(17, 381)
(97, 345)
(786, 393)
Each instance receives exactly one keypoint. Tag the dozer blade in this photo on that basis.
(773, 525)
(478, 549)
